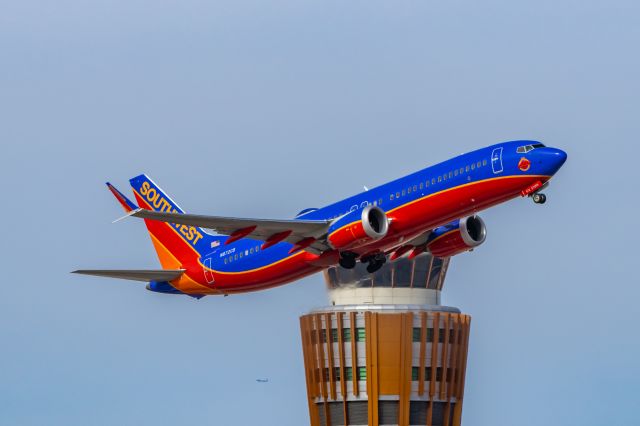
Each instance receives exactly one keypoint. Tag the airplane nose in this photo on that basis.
(555, 158)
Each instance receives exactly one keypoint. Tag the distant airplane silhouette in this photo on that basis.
(262, 380)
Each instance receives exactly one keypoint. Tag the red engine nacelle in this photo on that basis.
(457, 237)
(358, 228)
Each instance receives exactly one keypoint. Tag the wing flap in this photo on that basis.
(145, 275)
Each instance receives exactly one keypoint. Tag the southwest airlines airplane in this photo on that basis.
(431, 210)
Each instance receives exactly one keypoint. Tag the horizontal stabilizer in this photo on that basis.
(145, 275)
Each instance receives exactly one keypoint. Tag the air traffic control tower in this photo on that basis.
(385, 352)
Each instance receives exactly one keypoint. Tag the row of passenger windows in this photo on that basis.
(243, 253)
(361, 335)
(420, 186)
(362, 374)
(438, 179)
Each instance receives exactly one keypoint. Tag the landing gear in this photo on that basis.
(539, 198)
(347, 260)
(375, 262)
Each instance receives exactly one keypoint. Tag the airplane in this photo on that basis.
(434, 210)
(262, 380)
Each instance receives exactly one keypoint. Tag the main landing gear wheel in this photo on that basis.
(375, 263)
(347, 260)
(539, 198)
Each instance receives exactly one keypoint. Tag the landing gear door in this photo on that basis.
(496, 160)
(208, 275)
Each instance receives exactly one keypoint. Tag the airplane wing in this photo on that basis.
(304, 234)
(146, 275)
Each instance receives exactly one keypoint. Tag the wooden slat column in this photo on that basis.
(455, 348)
(343, 383)
(310, 368)
(464, 347)
(329, 340)
(434, 365)
(321, 364)
(354, 352)
(406, 343)
(371, 331)
(423, 351)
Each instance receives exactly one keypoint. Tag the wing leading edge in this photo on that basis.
(303, 234)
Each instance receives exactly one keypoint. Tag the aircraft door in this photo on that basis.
(496, 160)
(208, 275)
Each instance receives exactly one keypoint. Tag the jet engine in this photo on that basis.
(457, 237)
(358, 228)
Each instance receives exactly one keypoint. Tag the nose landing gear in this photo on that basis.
(539, 198)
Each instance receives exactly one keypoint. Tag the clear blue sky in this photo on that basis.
(262, 108)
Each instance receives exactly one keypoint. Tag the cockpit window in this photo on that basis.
(526, 148)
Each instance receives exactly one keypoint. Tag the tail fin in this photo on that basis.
(176, 244)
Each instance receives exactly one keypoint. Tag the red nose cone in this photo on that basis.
(524, 164)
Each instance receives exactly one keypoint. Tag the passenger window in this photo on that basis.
(466, 169)
(473, 166)
(450, 175)
(433, 181)
(404, 192)
(461, 170)
(226, 261)
(241, 255)
(391, 197)
(235, 257)
(421, 185)
(439, 178)
(478, 164)
(409, 190)
(426, 184)
(415, 188)
(444, 176)
(251, 250)
(455, 172)
(484, 162)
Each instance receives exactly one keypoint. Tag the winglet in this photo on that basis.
(126, 203)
